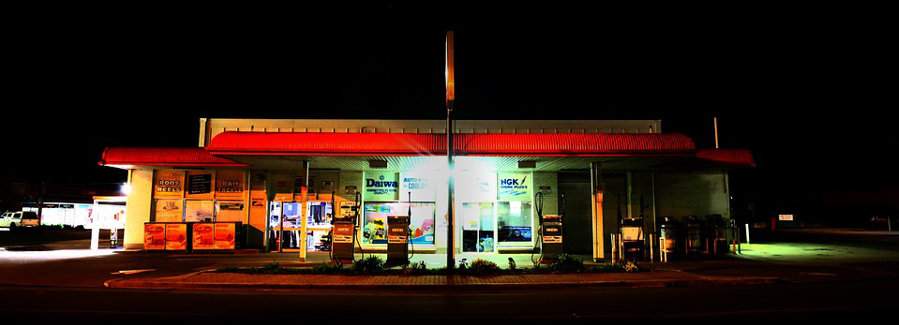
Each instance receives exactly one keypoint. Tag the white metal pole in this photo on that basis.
(747, 234)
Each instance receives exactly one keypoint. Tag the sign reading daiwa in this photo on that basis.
(514, 186)
(381, 186)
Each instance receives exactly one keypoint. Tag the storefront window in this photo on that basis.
(319, 214)
(374, 224)
(477, 227)
(515, 221)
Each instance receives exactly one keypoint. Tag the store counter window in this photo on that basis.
(515, 222)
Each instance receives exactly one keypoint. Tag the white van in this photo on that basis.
(12, 220)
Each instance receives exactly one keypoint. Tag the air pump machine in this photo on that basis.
(343, 230)
(550, 230)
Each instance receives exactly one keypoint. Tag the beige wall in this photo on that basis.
(550, 200)
(138, 207)
(692, 193)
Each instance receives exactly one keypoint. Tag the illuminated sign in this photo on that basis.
(176, 236)
(204, 236)
(515, 186)
(419, 185)
(380, 186)
(154, 236)
(225, 233)
(785, 217)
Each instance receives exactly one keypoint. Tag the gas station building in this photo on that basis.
(276, 184)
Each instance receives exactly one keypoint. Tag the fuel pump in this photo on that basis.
(397, 240)
(343, 230)
(550, 230)
(398, 237)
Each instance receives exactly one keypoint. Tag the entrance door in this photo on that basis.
(478, 227)
(284, 226)
(577, 222)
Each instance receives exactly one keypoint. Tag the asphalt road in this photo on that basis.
(61, 283)
(856, 300)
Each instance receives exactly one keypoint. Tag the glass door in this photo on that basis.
(478, 227)
(284, 225)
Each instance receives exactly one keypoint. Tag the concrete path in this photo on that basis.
(210, 279)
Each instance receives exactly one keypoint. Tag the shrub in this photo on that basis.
(630, 267)
(463, 264)
(512, 266)
(326, 268)
(369, 265)
(480, 266)
(416, 268)
(567, 263)
(271, 267)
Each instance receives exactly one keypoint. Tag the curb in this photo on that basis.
(169, 285)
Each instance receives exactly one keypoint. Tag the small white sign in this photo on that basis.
(785, 217)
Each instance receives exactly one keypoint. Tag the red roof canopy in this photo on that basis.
(734, 157)
(170, 157)
(361, 144)
(407, 144)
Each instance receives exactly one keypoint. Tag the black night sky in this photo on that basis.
(809, 90)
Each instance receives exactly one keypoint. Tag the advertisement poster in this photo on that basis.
(169, 210)
(422, 227)
(168, 184)
(374, 228)
(419, 184)
(229, 211)
(199, 184)
(230, 184)
(515, 186)
(198, 210)
(204, 236)
(154, 237)
(380, 186)
(225, 233)
(176, 236)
